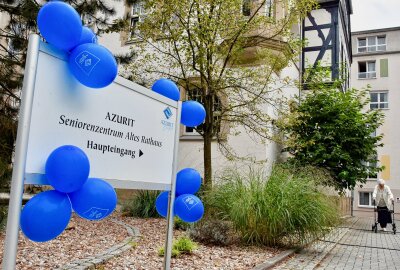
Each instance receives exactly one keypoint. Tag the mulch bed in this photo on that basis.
(153, 231)
(82, 239)
(85, 238)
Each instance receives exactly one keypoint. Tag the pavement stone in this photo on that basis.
(352, 246)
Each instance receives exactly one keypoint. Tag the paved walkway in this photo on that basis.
(352, 246)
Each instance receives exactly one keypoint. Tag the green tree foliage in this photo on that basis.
(228, 53)
(19, 17)
(334, 130)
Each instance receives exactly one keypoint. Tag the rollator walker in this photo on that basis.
(375, 225)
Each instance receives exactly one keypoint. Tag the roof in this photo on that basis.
(349, 3)
(380, 30)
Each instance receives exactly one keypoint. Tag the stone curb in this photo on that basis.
(92, 261)
(275, 260)
(287, 253)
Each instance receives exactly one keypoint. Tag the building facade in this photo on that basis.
(326, 32)
(376, 55)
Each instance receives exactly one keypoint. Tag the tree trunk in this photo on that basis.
(208, 136)
(207, 162)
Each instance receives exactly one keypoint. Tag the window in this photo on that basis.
(372, 44)
(365, 199)
(17, 36)
(372, 175)
(196, 95)
(379, 100)
(138, 15)
(372, 165)
(13, 49)
(269, 8)
(246, 10)
(88, 20)
(366, 70)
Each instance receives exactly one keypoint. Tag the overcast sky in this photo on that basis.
(373, 14)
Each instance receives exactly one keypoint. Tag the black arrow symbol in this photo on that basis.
(140, 153)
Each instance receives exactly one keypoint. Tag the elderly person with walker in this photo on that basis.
(383, 198)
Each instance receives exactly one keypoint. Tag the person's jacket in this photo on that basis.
(387, 195)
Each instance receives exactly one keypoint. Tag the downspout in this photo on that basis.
(301, 60)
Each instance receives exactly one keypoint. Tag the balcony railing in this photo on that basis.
(367, 75)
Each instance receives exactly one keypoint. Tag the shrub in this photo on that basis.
(142, 204)
(286, 208)
(183, 245)
(213, 231)
(179, 224)
(3, 217)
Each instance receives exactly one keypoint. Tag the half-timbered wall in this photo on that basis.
(326, 32)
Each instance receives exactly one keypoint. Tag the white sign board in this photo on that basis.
(126, 130)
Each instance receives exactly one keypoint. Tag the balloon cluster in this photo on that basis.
(188, 181)
(193, 113)
(188, 207)
(47, 214)
(91, 64)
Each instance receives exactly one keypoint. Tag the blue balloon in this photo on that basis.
(193, 113)
(189, 208)
(46, 216)
(60, 25)
(95, 200)
(93, 65)
(162, 204)
(188, 181)
(67, 168)
(166, 88)
(87, 36)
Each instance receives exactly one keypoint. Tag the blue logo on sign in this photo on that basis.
(96, 213)
(168, 113)
(86, 61)
(189, 202)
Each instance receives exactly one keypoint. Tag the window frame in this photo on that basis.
(371, 48)
(368, 74)
(18, 29)
(370, 205)
(269, 8)
(88, 21)
(379, 102)
(246, 8)
(138, 13)
(217, 114)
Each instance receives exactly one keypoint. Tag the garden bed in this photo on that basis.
(84, 238)
(144, 254)
(81, 239)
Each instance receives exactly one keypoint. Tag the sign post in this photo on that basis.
(21, 147)
(171, 200)
(129, 133)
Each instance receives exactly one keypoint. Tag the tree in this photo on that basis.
(227, 53)
(21, 23)
(333, 130)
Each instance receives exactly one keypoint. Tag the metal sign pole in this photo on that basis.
(21, 147)
(170, 217)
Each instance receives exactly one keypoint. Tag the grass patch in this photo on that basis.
(183, 245)
(285, 209)
(179, 224)
(141, 205)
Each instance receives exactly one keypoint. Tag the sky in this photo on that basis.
(374, 14)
